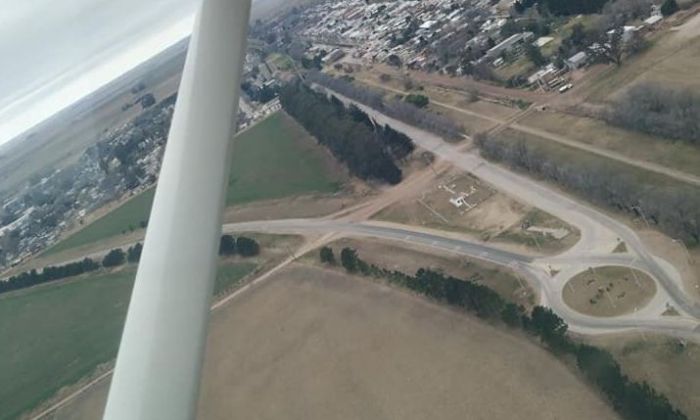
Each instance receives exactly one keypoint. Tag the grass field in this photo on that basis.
(54, 335)
(609, 291)
(317, 344)
(669, 365)
(673, 60)
(274, 159)
(677, 155)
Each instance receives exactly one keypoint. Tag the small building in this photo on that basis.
(509, 43)
(542, 41)
(653, 20)
(333, 56)
(577, 60)
(458, 202)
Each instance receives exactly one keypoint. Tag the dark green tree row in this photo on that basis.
(114, 258)
(243, 246)
(633, 400)
(672, 206)
(48, 274)
(351, 142)
(397, 144)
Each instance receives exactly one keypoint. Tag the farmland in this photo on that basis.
(344, 347)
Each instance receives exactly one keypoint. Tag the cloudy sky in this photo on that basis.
(56, 51)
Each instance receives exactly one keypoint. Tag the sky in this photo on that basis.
(55, 52)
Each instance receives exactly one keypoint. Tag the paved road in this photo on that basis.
(526, 266)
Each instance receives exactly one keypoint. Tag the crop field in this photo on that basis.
(54, 335)
(318, 344)
(274, 159)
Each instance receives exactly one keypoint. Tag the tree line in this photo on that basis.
(631, 399)
(393, 108)
(350, 136)
(243, 246)
(673, 207)
(113, 258)
(660, 111)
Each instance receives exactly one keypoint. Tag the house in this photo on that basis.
(577, 60)
(334, 55)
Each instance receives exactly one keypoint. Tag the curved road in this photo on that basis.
(599, 232)
(527, 266)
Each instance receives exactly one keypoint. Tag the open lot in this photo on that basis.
(317, 344)
(673, 154)
(669, 365)
(462, 202)
(541, 231)
(274, 159)
(456, 201)
(609, 291)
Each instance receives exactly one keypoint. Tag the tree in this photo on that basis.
(349, 134)
(147, 100)
(669, 7)
(227, 245)
(348, 259)
(511, 315)
(551, 329)
(327, 256)
(247, 247)
(114, 258)
(394, 60)
(133, 254)
(613, 49)
(535, 55)
(421, 101)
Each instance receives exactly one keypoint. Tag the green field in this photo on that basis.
(124, 218)
(54, 335)
(230, 275)
(274, 159)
